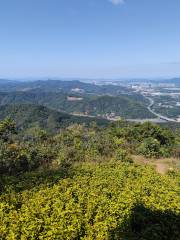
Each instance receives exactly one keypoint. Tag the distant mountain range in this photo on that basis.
(86, 84)
(60, 86)
(81, 98)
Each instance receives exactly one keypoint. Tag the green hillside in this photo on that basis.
(122, 106)
(28, 116)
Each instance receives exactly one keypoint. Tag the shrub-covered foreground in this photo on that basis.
(35, 148)
(80, 183)
(97, 201)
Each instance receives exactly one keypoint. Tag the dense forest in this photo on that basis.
(30, 116)
(123, 106)
(80, 181)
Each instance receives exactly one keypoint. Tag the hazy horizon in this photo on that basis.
(87, 79)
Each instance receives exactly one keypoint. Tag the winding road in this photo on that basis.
(157, 114)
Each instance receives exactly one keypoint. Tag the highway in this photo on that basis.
(157, 114)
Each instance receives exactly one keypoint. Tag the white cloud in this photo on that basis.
(117, 2)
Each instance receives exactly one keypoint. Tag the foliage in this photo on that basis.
(80, 183)
(150, 147)
(148, 139)
(31, 117)
(78, 143)
(7, 128)
(123, 156)
(99, 201)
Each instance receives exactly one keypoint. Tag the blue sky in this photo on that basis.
(89, 38)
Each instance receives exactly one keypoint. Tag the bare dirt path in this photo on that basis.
(161, 168)
(162, 165)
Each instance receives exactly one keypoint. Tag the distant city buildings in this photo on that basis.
(69, 98)
(77, 90)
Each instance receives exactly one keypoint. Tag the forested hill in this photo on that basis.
(35, 116)
(123, 106)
